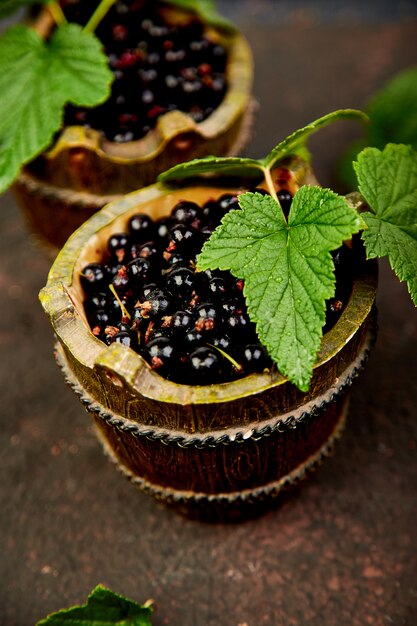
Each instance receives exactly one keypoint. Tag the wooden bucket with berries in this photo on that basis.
(204, 423)
(157, 116)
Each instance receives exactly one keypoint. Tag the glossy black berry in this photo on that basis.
(94, 277)
(237, 324)
(193, 338)
(119, 246)
(227, 202)
(231, 306)
(203, 366)
(149, 251)
(186, 212)
(223, 342)
(180, 281)
(125, 338)
(162, 227)
(141, 227)
(184, 239)
(212, 212)
(175, 259)
(254, 358)
(97, 301)
(155, 332)
(99, 320)
(121, 282)
(146, 290)
(334, 308)
(181, 322)
(218, 288)
(139, 271)
(285, 200)
(208, 317)
(161, 355)
(158, 304)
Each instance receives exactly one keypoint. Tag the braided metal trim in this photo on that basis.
(250, 497)
(124, 425)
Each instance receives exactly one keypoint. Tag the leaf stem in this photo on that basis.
(270, 183)
(227, 356)
(56, 12)
(100, 12)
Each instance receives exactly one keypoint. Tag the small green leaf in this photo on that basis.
(287, 269)
(252, 168)
(206, 10)
(221, 166)
(71, 67)
(103, 608)
(10, 6)
(388, 182)
(296, 143)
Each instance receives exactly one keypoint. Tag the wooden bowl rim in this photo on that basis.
(127, 368)
(239, 70)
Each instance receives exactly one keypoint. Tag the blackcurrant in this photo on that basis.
(139, 271)
(203, 366)
(285, 200)
(141, 227)
(94, 277)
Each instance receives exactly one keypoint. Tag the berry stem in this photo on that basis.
(270, 183)
(227, 356)
(57, 13)
(100, 12)
(123, 309)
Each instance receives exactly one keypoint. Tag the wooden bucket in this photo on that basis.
(211, 448)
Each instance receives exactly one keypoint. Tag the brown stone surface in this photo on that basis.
(341, 550)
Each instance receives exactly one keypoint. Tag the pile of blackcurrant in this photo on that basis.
(157, 66)
(191, 327)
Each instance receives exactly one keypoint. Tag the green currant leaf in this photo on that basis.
(10, 6)
(206, 10)
(296, 143)
(36, 80)
(287, 269)
(221, 166)
(252, 168)
(103, 608)
(388, 182)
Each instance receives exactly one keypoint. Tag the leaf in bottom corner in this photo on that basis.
(103, 608)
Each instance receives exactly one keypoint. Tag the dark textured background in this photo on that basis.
(341, 550)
